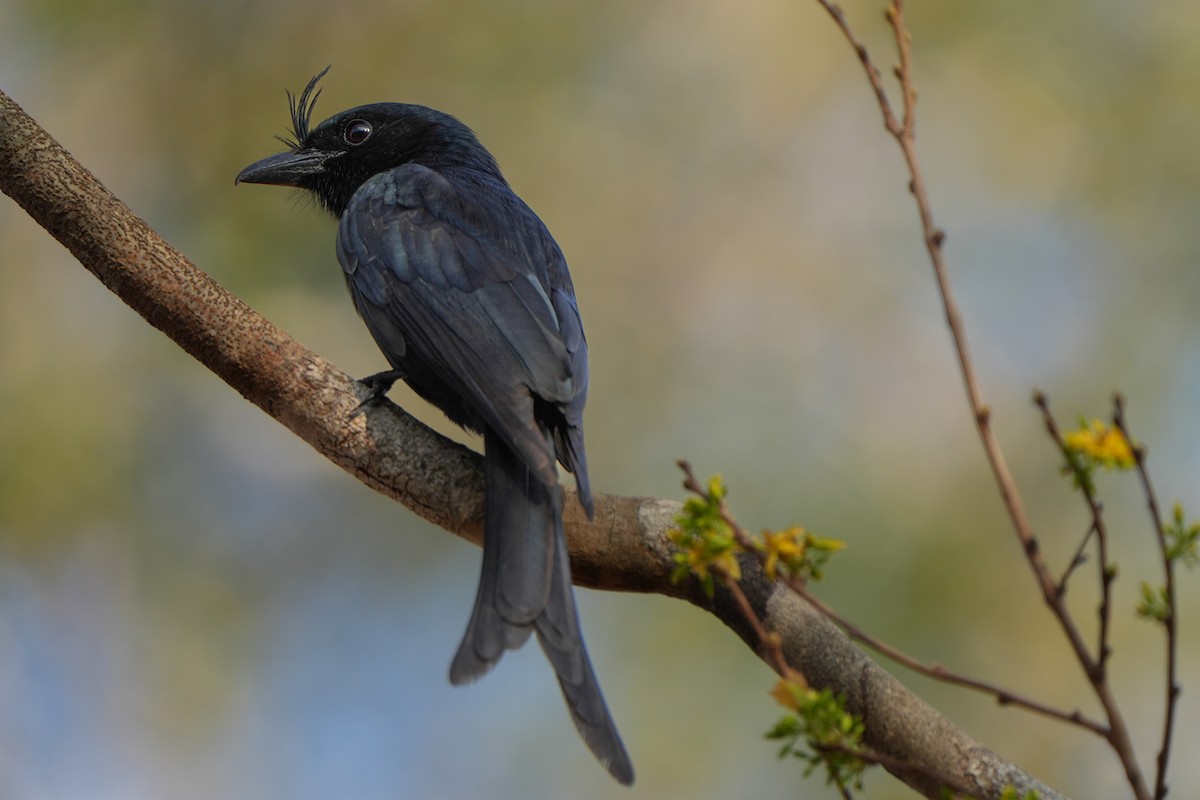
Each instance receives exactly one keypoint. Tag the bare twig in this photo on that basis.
(1078, 559)
(1117, 733)
(839, 17)
(1107, 571)
(904, 134)
(767, 640)
(1171, 621)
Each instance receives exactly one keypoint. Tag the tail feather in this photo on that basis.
(525, 585)
(558, 634)
(514, 581)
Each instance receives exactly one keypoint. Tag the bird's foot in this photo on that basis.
(378, 385)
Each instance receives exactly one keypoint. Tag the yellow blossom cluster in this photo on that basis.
(1102, 444)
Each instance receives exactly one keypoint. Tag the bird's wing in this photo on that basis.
(452, 284)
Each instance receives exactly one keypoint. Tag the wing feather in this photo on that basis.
(468, 306)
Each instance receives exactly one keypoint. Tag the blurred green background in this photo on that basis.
(193, 604)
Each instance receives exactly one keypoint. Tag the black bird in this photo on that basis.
(469, 298)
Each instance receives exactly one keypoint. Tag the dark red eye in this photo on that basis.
(357, 132)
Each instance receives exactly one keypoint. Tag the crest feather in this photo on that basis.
(301, 109)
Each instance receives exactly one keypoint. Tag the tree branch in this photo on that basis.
(624, 549)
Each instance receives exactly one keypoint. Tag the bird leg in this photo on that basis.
(379, 385)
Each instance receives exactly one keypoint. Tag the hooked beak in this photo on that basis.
(285, 169)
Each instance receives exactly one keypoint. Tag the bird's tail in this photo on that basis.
(525, 586)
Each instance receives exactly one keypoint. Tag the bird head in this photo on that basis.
(338, 156)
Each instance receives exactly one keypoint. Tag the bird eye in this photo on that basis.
(357, 132)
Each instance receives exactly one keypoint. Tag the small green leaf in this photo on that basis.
(822, 734)
(1182, 540)
(1154, 604)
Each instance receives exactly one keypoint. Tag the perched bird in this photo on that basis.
(469, 298)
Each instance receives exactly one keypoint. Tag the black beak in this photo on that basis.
(286, 169)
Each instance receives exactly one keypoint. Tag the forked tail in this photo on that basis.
(525, 586)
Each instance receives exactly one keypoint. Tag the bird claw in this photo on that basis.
(378, 385)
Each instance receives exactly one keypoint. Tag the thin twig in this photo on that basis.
(769, 641)
(1078, 559)
(904, 134)
(1170, 622)
(1107, 571)
(889, 118)
(1116, 733)
(939, 672)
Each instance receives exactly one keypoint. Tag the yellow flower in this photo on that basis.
(701, 555)
(786, 545)
(727, 562)
(1102, 444)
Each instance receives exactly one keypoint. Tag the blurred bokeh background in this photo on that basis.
(193, 604)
